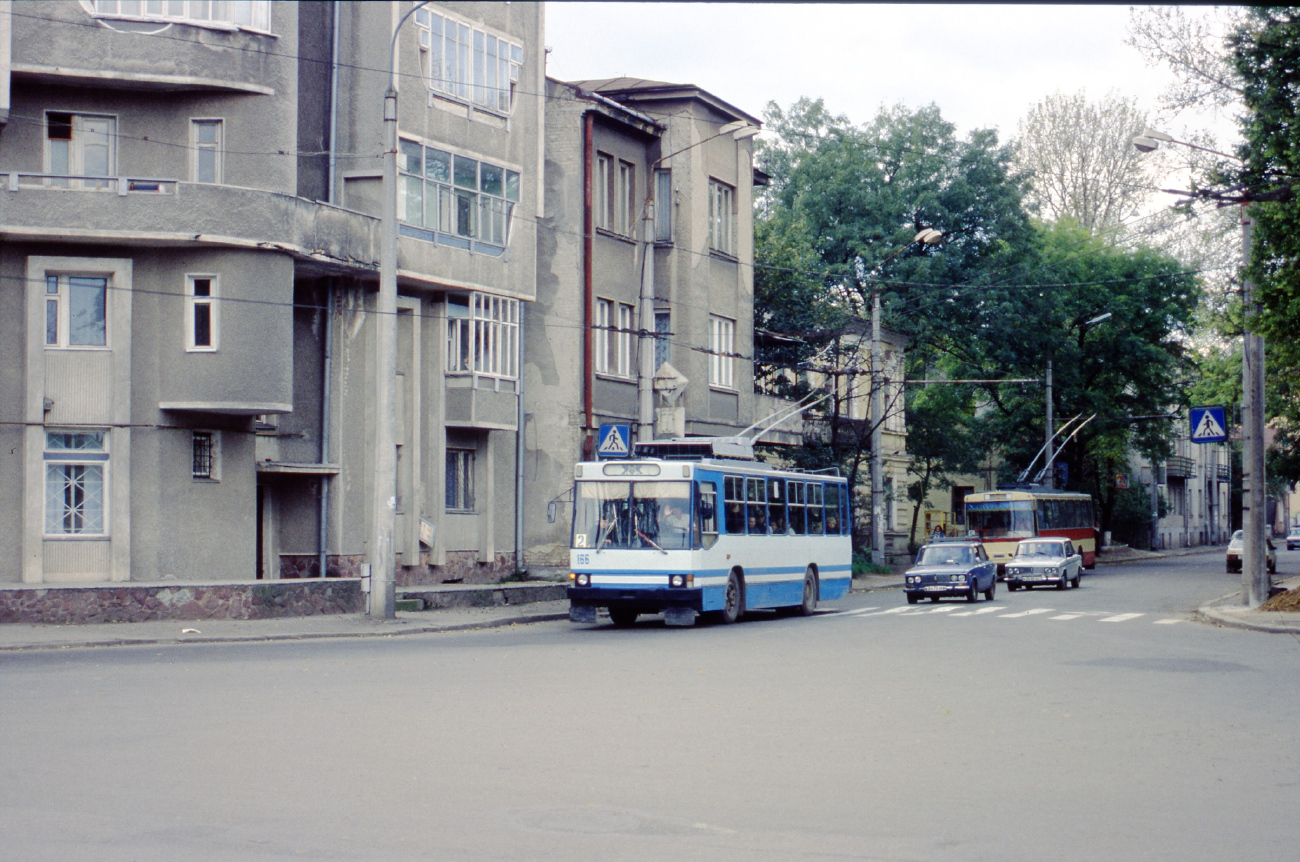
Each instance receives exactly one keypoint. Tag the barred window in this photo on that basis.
(75, 468)
(205, 456)
(460, 479)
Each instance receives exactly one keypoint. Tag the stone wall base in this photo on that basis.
(123, 603)
(462, 567)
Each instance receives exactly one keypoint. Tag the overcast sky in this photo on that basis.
(983, 65)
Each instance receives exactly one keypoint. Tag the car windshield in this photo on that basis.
(1039, 549)
(1295, 531)
(946, 555)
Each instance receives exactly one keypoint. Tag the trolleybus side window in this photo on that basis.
(734, 496)
(815, 511)
(756, 496)
(798, 524)
(776, 506)
(706, 509)
(832, 510)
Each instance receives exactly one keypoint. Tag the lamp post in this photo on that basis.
(1255, 581)
(929, 236)
(383, 502)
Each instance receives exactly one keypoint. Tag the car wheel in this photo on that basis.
(1077, 577)
(809, 603)
(733, 605)
(934, 599)
(1062, 583)
(622, 617)
(993, 588)
(913, 598)
(973, 594)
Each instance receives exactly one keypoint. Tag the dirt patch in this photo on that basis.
(1288, 601)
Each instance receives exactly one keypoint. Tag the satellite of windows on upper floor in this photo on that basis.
(244, 14)
(466, 63)
(454, 199)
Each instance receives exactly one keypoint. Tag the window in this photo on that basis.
(483, 335)
(663, 206)
(200, 313)
(460, 479)
(706, 509)
(76, 311)
(208, 144)
(75, 465)
(733, 489)
(467, 63)
(79, 145)
(814, 511)
(624, 202)
(456, 195)
(205, 460)
(613, 338)
(721, 220)
(663, 329)
(722, 342)
(252, 14)
(604, 193)
(798, 519)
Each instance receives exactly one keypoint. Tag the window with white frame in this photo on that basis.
(206, 461)
(80, 145)
(76, 311)
(456, 195)
(468, 63)
(663, 329)
(483, 335)
(251, 14)
(460, 480)
(604, 192)
(663, 206)
(76, 465)
(208, 143)
(201, 313)
(721, 217)
(624, 199)
(614, 338)
(722, 344)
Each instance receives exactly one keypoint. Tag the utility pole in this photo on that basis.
(1255, 580)
(1048, 478)
(878, 555)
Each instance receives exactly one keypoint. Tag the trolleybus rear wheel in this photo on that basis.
(809, 603)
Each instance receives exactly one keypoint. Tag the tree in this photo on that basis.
(944, 438)
(1191, 46)
(1081, 161)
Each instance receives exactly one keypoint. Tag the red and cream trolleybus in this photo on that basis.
(1002, 518)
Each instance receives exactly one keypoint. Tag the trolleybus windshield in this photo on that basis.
(627, 515)
(994, 519)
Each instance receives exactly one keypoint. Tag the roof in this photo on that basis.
(641, 91)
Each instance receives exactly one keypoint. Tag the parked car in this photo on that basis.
(1041, 561)
(1234, 554)
(1293, 538)
(953, 567)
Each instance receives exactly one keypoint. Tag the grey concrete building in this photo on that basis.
(190, 225)
(644, 311)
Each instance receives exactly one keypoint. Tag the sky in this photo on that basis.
(983, 65)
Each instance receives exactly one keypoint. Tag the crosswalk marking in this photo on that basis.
(1028, 613)
(961, 610)
(1119, 618)
(859, 612)
(1065, 617)
(978, 612)
(1167, 622)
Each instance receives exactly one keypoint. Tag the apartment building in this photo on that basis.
(644, 311)
(191, 223)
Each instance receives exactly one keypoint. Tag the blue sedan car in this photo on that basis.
(951, 568)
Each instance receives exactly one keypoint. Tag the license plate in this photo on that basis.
(939, 589)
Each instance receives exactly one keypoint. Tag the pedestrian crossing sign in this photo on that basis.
(1208, 425)
(614, 441)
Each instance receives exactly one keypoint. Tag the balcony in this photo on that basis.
(1179, 467)
(169, 212)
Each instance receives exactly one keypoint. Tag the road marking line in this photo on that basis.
(941, 610)
(1065, 617)
(857, 612)
(1028, 613)
(1119, 618)
(989, 610)
(898, 610)
(1167, 622)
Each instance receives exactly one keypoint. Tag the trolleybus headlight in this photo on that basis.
(583, 580)
(681, 581)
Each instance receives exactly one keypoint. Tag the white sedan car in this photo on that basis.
(1044, 561)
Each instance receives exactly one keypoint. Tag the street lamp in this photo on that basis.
(1255, 581)
(383, 524)
(928, 236)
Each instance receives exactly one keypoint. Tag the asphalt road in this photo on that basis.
(1099, 723)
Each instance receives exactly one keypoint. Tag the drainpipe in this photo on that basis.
(645, 377)
(588, 301)
(334, 113)
(520, 563)
(326, 377)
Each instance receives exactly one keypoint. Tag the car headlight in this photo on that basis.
(958, 579)
(1050, 570)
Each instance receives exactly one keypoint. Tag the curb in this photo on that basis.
(1210, 613)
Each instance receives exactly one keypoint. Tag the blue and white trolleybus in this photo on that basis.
(696, 525)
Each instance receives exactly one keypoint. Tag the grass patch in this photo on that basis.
(862, 565)
(1288, 601)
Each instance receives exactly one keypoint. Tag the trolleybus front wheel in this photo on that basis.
(734, 603)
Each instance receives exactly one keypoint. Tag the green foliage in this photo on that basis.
(1266, 55)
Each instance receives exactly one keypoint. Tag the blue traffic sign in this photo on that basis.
(614, 442)
(1208, 425)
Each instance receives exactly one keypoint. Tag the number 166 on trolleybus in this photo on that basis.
(1002, 518)
(679, 530)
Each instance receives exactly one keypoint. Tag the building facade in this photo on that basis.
(191, 221)
(644, 311)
